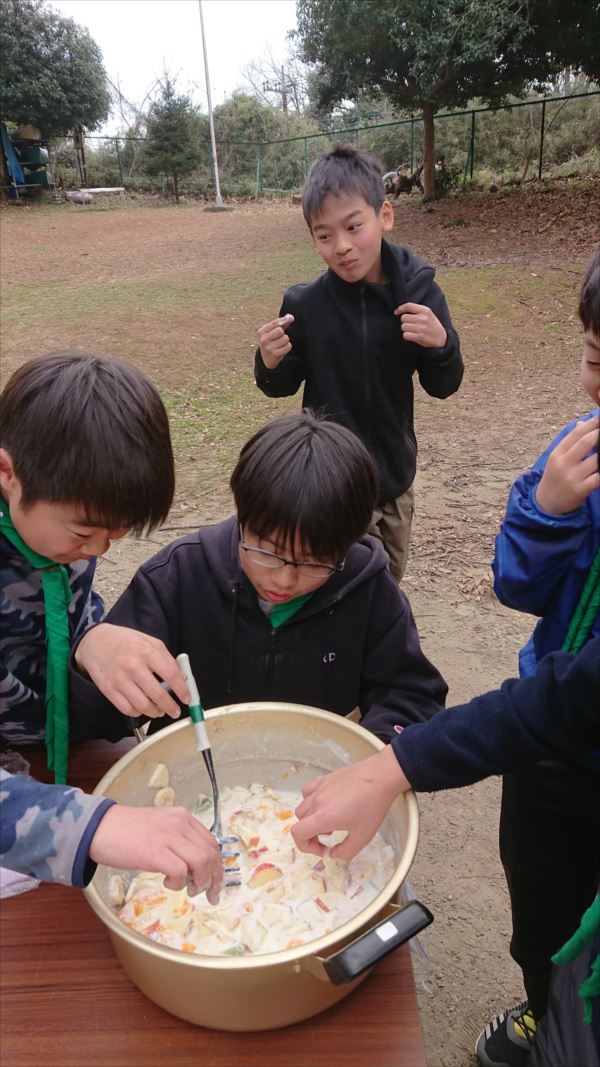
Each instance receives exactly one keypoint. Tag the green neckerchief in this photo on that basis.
(57, 597)
(579, 630)
(582, 936)
(282, 612)
(586, 611)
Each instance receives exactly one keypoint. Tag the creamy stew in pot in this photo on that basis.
(285, 899)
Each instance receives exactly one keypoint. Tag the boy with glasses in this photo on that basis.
(289, 600)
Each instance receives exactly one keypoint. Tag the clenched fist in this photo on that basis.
(419, 324)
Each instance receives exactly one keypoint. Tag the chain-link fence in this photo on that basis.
(510, 142)
(533, 138)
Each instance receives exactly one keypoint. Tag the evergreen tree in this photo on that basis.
(172, 144)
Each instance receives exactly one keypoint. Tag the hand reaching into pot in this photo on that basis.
(355, 799)
(168, 840)
(51, 832)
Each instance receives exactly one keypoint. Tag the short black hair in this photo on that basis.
(92, 431)
(305, 476)
(589, 299)
(345, 171)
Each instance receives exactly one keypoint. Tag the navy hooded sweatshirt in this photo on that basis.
(354, 643)
(553, 714)
(348, 349)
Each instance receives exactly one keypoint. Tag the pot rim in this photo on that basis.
(317, 947)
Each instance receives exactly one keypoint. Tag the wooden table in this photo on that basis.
(66, 1002)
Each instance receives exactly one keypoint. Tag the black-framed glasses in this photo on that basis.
(272, 561)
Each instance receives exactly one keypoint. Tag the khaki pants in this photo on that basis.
(391, 523)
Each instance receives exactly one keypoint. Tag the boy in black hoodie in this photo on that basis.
(357, 334)
(288, 600)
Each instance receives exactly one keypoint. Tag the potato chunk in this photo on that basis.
(159, 777)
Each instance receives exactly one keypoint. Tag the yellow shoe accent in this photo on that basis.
(524, 1025)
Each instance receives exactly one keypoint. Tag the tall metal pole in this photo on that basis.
(213, 143)
(541, 161)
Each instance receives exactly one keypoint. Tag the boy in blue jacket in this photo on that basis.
(549, 715)
(547, 562)
(357, 335)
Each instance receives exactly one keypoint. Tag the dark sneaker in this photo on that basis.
(506, 1040)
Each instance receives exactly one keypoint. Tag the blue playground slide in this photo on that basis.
(15, 171)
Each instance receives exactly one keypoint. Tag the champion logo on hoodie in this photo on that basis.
(329, 657)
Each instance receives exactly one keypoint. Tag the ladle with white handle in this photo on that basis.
(203, 745)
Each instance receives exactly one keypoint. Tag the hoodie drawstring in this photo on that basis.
(230, 665)
(331, 672)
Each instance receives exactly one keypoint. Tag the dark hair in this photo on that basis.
(91, 431)
(345, 171)
(589, 300)
(306, 476)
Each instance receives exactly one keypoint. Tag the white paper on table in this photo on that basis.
(12, 883)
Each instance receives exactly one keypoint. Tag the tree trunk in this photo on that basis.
(176, 187)
(428, 153)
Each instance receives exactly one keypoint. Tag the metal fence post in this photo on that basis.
(541, 162)
(305, 158)
(467, 162)
(258, 174)
(472, 148)
(119, 160)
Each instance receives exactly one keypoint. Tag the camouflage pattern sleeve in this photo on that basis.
(23, 639)
(46, 830)
(87, 606)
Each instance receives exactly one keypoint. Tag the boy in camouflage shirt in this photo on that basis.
(85, 456)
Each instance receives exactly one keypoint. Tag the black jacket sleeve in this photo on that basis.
(555, 714)
(398, 683)
(286, 379)
(440, 370)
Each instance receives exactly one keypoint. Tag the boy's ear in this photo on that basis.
(387, 216)
(8, 477)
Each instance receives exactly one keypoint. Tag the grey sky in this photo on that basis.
(139, 37)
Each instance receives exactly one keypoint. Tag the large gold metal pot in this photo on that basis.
(284, 745)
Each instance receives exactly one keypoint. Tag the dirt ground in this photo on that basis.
(181, 292)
